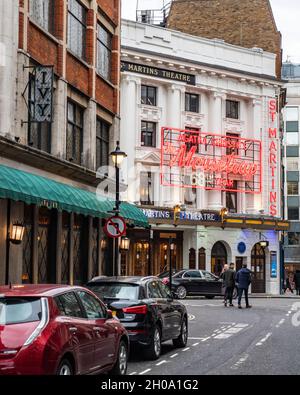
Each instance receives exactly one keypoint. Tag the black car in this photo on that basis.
(196, 282)
(146, 308)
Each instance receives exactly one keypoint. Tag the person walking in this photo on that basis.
(228, 277)
(297, 281)
(243, 280)
(288, 284)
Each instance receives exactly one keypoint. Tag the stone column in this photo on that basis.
(59, 125)
(254, 202)
(215, 126)
(89, 136)
(130, 130)
(9, 24)
(174, 110)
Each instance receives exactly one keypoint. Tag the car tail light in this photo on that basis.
(136, 309)
(43, 323)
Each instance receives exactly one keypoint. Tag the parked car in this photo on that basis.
(196, 282)
(59, 330)
(147, 309)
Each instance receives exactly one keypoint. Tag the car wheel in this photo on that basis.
(120, 367)
(154, 350)
(182, 339)
(65, 368)
(210, 296)
(181, 292)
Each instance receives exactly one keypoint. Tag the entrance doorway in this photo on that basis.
(258, 267)
(239, 260)
(218, 258)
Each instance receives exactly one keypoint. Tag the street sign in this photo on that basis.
(115, 227)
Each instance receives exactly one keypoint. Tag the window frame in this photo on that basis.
(292, 183)
(51, 16)
(293, 209)
(147, 88)
(83, 24)
(101, 124)
(74, 127)
(145, 134)
(232, 109)
(188, 102)
(150, 191)
(100, 44)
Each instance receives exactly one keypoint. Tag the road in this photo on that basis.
(229, 341)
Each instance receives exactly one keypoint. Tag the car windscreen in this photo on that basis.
(113, 290)
(14, 310)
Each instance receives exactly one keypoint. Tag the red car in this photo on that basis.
(61, 330)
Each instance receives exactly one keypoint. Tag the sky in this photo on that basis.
(286, 13)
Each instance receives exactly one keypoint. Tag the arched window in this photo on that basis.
(192, 258)
(202, 259)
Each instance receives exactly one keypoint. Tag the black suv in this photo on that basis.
(146, 308)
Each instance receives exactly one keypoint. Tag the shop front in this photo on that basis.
(62, 226)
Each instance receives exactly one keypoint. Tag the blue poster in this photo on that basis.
(273, 264)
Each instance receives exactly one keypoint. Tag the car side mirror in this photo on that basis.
(109, 314)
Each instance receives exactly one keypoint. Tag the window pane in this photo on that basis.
(41, 11)
(104, 48)
(77, 28)
(293, 213)
(292, 126)
(292, 188)
(148, 95)
(232, 109)
(92, 306)
(102, 143)
(292, 138)
(293, 238)
(292, 113)
(70, 305)
(74, 133)
(146, 192)
(148, 135)
(191, 102)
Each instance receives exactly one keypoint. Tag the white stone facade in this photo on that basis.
(222, 72)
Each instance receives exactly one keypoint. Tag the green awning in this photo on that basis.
(22, 186)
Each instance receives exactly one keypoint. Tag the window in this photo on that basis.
(292, 188)
(77, 28)
(292, 152)
(292, 138)
(191, 102)
(231, 199)
(102, 143)
(104, 49)
(164, 290)
(232, 140)
(154, 290)
(293, 213)
(19, 310)
(148, 138)
(39, 133)
(68, 305)
(292, 165)
(192, 274)
(208, 275)
(115, 290)
(292, 113)
(75, 133)
(42, 12)
(232, 109)
(148, 95)
(292, 126)
(293, 238)
(146, 192)
(93, 308)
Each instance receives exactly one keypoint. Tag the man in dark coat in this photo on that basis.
(297, 281)
(243, 280)
(228, 277)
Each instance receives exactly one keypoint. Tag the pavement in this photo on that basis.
(227, 341)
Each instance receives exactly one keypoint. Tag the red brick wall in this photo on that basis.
(105, 95)
(111, 9)
(77, 74)
(41, 48)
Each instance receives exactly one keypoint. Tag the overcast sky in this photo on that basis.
(286, 13)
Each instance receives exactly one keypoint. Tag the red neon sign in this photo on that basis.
(273, 157)
(192, 159)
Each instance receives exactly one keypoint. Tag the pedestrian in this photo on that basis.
(297, 281)
(243, 280)
(288, 284)
(228, 277)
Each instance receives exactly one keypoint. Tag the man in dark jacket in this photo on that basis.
(243, 280)
(297, 281)
(228, 277)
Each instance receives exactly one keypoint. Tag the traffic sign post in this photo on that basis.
(115, 227)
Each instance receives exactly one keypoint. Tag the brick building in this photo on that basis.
(247, 23)
(59, 120)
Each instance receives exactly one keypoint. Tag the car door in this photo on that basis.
(174, 311)
(164, 310)
(104, 334)
(81, 332)
(213, 285)
(196, 281)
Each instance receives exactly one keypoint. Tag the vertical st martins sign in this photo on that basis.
(273, 158)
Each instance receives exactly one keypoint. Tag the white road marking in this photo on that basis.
(186, 349)
(204, 340)
(241, 325)
(240, 361)
(233, 330)
(282, 321)
(223, 336)
(260, 343)
(131, 374)
(145, 371)
(174, 355)
(195, 344)
(191, 317)
(161, 362)
(196, 338)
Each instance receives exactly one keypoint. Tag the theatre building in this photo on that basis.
(200, 127)
(59, 120)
